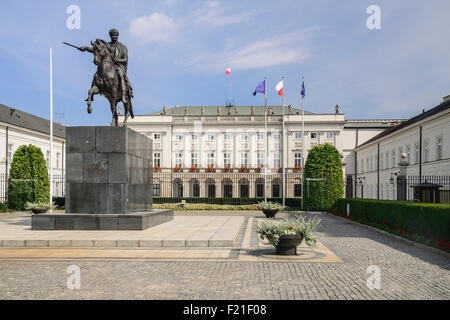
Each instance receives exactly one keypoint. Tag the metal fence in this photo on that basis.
(433, 189)
(58, 186)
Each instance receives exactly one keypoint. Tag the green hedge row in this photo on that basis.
(290, 202)
(428, 219)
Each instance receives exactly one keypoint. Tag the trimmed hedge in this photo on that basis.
(290, 202)
(323, 161)
(428, 219)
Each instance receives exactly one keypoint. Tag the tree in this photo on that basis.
(28, 178)
(323, 161)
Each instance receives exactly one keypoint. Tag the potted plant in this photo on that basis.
(298, 168)
(258, 169)
(38, 207)
(177, 168)
(270, 209)
(157, 168)
(210, 168)
(287, 235)
(227, 169)
(193, 168)
(244, 169)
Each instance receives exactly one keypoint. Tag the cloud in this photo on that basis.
(214, 14)
(156, 28)
(272, 51)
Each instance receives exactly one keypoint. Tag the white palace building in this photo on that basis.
(220, 151)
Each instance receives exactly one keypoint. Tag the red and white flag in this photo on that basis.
(279, 87)
(228, 71)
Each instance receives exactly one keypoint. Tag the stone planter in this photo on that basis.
(39, 210)
(288, 244)
(270, 213)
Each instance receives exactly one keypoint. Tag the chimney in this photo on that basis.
(446, 99)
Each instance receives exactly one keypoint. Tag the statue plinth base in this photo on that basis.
(108, 182)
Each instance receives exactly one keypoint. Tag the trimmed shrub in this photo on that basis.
(28, 164)
(290, 202)
(323, 161)
(428, 219)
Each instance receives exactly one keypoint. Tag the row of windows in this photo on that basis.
(390, 159)
(245, 136)
(227, 159)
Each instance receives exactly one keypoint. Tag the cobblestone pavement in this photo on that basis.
(407, 272)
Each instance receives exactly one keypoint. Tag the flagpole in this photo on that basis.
(51, 126)
(229, 84)
(265, 156)
(303, 139)
(283, 148)
(265, 91)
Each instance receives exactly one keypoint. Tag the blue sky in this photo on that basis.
(179, 50)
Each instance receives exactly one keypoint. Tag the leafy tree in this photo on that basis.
(323, 161)
(28, 164)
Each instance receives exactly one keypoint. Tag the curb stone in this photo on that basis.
(394, 236)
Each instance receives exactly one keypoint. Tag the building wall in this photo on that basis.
(404, 141)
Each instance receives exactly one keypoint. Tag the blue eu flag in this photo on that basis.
(303, 88)
(260, 88)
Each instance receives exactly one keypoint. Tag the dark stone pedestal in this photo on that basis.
(129, 221)
(108, 179)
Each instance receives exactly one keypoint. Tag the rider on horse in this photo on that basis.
(119, 53)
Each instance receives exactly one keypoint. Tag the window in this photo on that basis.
(275, 191)
(439, 148)
(393, 159)
(157, 136)
(313, 135)
(244, 159)
(210, 160)
(259, 160)
(276, 160)
(157, 190)
(426, 151)
(211, 137)
(10, 152)
(408, 153)
(226, 136)
(276, 136)
(329, 135)
(178, 159)
(244, 137)
(194, 159)
(416, 153)
(297, 135)
(196, 189)
(386, 160)
(260, 136)
(193, 137)
(58, 155)
(179, 137)
(297, 190)
(297, 159)
(227, 160)
(259, 190)
(157, 159)
(211, 191)
(400, 151)
(47, 159)
(367, 165)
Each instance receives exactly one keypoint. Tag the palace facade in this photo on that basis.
(224, 151)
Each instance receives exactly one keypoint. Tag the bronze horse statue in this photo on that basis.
(106, 82)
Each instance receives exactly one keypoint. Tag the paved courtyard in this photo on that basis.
(336, 268)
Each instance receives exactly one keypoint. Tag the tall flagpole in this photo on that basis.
(266, 164)
(229, 84)
(283, 148)
(303, 139)
(265, 91)
(51, 126)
